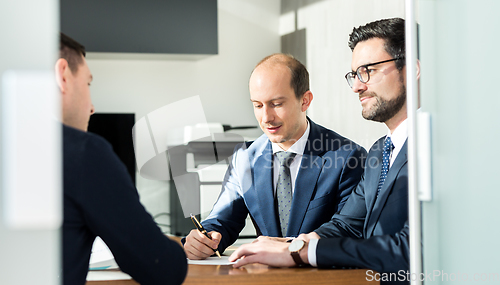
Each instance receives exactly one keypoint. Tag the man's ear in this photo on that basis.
(62, 69)
(306, 100)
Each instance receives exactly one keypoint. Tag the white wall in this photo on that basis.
(328, 25)
(247, 32)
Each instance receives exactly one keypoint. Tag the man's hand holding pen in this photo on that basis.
(201, 244)
(198, 246)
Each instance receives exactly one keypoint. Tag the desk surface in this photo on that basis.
(262, 275)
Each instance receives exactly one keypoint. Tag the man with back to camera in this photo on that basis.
(290, 180)
(371, 231)
(99, 196)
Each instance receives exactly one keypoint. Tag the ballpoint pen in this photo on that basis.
(203, 231)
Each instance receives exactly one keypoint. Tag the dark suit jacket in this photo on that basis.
(371, 232)
(101, 200)
(330, 169)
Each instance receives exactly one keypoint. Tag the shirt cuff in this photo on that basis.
(311, 252)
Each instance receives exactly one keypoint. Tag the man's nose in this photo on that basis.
(92, 109)
(358, 86)
(267, 114)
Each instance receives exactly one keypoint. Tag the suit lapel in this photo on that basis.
(305, 183)
(379, 204)
(264, 190)
(304, 189)
(373, 168)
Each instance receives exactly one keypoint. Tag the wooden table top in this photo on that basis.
(262, 275)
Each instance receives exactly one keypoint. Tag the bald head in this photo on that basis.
(279, 91)
(299, 77)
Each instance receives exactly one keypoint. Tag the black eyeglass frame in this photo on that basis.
(353, 74)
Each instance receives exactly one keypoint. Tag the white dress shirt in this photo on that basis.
(297, 148)
(398, 138)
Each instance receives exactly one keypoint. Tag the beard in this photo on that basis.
(384, 110)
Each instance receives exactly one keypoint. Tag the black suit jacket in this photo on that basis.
(371, 232)
(101, 200)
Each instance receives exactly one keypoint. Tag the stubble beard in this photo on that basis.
(384, 110)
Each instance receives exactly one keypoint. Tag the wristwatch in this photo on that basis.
(294, 248)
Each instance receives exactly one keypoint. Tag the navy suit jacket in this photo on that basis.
(330, 169)
(101, 200)
(371, 232)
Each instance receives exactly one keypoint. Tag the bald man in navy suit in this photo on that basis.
(324, 170)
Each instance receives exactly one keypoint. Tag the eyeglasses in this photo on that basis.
(363, 72)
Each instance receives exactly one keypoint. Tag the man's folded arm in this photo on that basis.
(384, 253)
(350, 220)
(352, 172)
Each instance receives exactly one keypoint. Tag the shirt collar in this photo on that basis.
(399, 135)
(299, 146)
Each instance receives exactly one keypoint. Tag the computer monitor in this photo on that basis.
(116, 128)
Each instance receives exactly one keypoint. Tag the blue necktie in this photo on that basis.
(284, 189)
(386, 154)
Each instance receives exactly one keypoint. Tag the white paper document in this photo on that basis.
(105, 275)
(213, 260)
(101, 257)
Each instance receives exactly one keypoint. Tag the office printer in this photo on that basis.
(202, 162)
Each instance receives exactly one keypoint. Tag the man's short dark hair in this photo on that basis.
(299, 75)
(391, 30)
(71, 51)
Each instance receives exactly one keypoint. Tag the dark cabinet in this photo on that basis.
(142, 26)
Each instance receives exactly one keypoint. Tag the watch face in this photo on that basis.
(296, 245)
